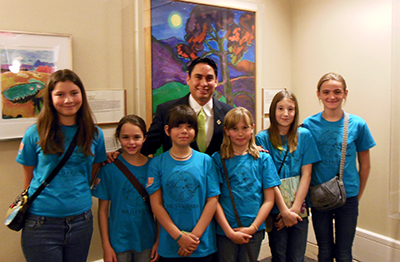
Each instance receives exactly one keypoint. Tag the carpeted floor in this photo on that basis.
(268, 259)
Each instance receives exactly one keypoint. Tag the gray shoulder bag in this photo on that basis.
(332, 194)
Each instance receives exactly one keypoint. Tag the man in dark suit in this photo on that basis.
(202, 81)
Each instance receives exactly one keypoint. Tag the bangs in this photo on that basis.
(182, 114)
(178, 118)
(235, 117)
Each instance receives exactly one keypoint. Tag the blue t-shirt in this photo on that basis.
(306, 153)
(185, 185)
(248, 177)
(329, 137)
(131, 225)
(69, 192)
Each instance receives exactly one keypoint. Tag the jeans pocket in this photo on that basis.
(32, 223)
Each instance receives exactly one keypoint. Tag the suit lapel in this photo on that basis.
(218, 114)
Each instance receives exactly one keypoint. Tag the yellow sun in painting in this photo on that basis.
(175, 20)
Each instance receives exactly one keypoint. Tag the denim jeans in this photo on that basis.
(231, 252)
(57, 239)
(340, 245)
(288, 244)
(133, 256)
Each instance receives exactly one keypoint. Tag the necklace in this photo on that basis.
(190, 154)
(240, 153)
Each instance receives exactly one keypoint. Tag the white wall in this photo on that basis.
(353, 38)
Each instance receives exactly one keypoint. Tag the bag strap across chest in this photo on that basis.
(344, 145)
(136, 184)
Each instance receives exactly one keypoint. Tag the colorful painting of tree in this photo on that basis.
(183, 31)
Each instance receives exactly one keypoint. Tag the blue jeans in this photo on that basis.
(231, 252)
(57, 239)
(340, 246)
(288, 244)
(133, 256)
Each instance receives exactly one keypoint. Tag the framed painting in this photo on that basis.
(27, 60)
(181, 31)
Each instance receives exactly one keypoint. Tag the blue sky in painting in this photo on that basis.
(26, 57)
(161, 29)
(160, 11)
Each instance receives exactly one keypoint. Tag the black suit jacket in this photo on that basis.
(157, 137)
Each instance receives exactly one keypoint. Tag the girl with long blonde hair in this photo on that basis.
(252, 177)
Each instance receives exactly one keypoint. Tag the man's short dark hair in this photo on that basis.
(204, 60)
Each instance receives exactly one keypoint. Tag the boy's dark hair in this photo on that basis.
(204, 60)
(182, 114)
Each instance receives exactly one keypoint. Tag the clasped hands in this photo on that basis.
(188, 243)
(241, 235)
(288, 219)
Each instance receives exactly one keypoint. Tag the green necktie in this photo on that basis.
(201, 136)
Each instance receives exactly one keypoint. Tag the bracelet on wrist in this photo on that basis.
(178, 237)
(256, 227)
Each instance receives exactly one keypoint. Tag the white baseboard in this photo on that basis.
(368, 246)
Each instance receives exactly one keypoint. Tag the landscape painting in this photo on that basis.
(182, 31)
(26, 62)
(24, 74)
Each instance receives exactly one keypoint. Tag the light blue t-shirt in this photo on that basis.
(248, 177)
(131, 225)
(306, 153)
(329, 136)
(69, 192)
(185, 185)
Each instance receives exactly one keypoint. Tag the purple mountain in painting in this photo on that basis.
(5, 67)
(171, 43)
(167, 48)
(26, 67)
(163, 58)
(40, 63)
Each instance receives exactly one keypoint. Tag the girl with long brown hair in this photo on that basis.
(59, 225)
(293, 151)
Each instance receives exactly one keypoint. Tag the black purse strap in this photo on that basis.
(136, 184)
(234, 206)
(55, 171)
(283, 161)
